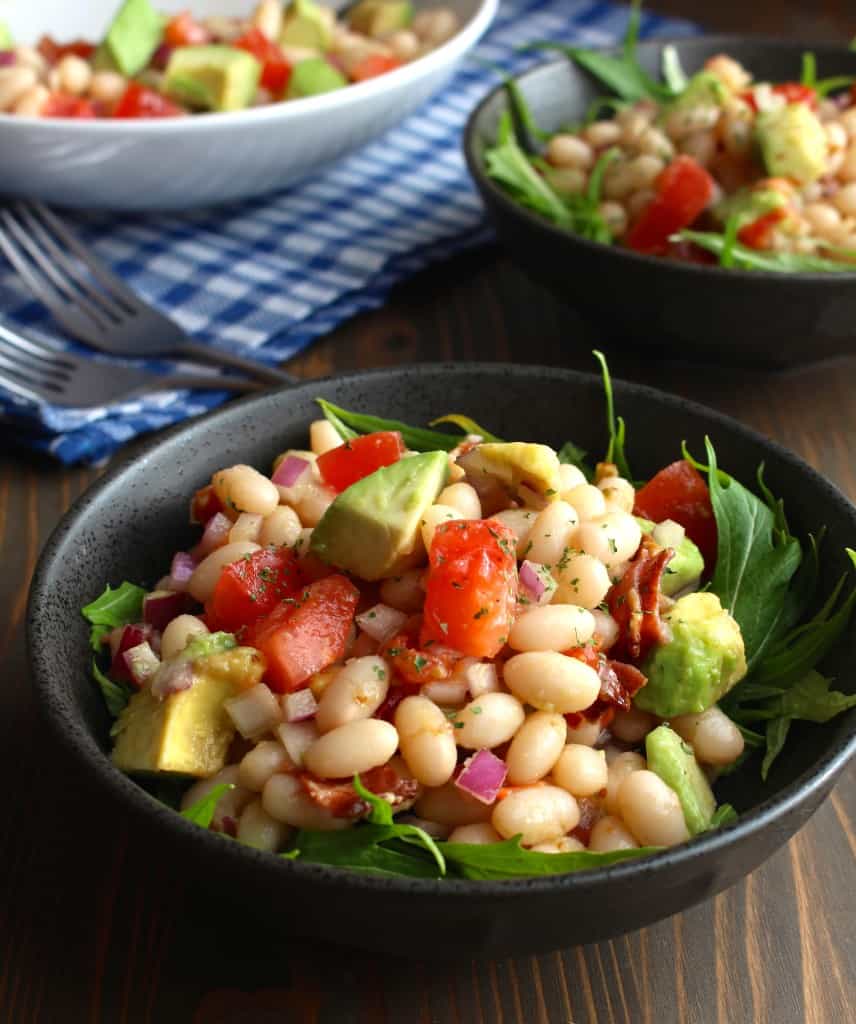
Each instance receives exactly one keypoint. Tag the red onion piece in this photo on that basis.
(122, 639)
(531, 581)
(172, 677)
(254, 712)
(289, 471)
(381, 622)
(299, 706)
(7, 58)
(215, 535)
(162, 606)
(297, 738)
(181, 570)
(160, 58)
(141, 662)
(482, 776)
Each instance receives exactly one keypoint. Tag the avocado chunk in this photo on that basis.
(313, 76)
(307, 24)
(704, 89)
(133, 36)
(748, 204)
(793, 143)
(515, 464)
(673, 760)
(6, 40)
(213, 77)
(702, 661)
(378, 18)
(685, 569)
(372, 529)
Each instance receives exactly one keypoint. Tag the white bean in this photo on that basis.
(609, 833)
(845, 199)
(582, 580)
(462, 497)
(478, 834)
(620, 767)
(632, 726)
(535, 748)
(357, 690)
(605, 628)
(520, 522)
(267, 18)
(432, 518)
(451, 806)
(245, 489)
(615, 217)
(701, 146)
(29, 56)
(611, 539)
(356, 747)
(178, 633)
(257, 765)
(553, 627)
(569, 151)
(258, 829)
(448, 693)
(569, 477)
(435, 26)
(280, 528)
(285, 799)
(107, 87)
(14, 82)
(75, 74)
(715, 739)
(587, 732)
(567, 180)
(567, 844)
(581, 770)
(427, 741)
(644, 170)
(323, 437)
(488, 721)
(404, 44)
(405, 592)
(651, 810)
(30, 103)
(205, 576)
(602, 133)
(587, 500)
(536, 813)
(230, 804)
(551, 533)
(248, 526)
(551, 681)
(619, 493)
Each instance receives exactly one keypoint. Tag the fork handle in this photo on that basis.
(218, 356)
(206, 382)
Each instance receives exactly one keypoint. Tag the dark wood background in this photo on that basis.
(94, 929)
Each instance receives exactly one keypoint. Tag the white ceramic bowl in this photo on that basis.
(212, 158)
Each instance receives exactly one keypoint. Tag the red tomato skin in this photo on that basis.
(276, 70)
(683, 190)
(204, 504)
(757, 233)
(374, 65)
(679, 492)
(472, 587)
(53, 52)
(58, 104)
(340, 467)
(252, 587)
(183, 30)
(302, 638)
(794, 92)
(138, 101)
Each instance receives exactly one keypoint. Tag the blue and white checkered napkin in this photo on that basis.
(268, 276)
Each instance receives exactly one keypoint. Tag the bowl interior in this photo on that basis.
(128, 525)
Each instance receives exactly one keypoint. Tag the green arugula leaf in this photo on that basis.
(726, 257)
(808, 75)
(417, 439)
(112, 609)
(381, 814)
(777, 733)
(752, 571)
(825, 86)
(617, 430)
(469, 426)
(202, 812)
(572, 455)
(362, 848)
(723, 815)
(810, 700)
(116, 695)
(673, 73)
(745, 258)
(510, 860)
(607, 104)
(343, 431)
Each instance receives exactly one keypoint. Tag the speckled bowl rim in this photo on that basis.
(82, 745)
(472, 154)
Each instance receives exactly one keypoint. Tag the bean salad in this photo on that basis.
(481, 658)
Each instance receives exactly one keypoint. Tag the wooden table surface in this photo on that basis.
(91, 929)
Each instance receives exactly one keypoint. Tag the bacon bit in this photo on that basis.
(508, 790)
(618, 684)
(590, 811)
(395, 695)
(635, 600)
(204, 504)
(341, 799)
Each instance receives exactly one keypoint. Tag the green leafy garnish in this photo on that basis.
(825, 86)
(417, 439)
(510, 860)
(729, 241)
(469, 426)
(112, 609)
(744, 258)
(808, 75)
(723, 815)
(116, 695)
(616, 426)
(673, 73)
(572, 455)
(202, 812)
(341, 429)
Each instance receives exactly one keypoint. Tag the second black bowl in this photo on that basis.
(697, 312)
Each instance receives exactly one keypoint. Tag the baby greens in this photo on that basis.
(202, 812)
(418, 439)
(112, 609)
(733, 254)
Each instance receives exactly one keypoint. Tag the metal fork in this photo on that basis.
(37, 371)
(92, 303)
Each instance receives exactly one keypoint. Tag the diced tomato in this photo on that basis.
(304, 635)
(276, 70)
(373, 65)
(683, 190)
(472, 587)
(340, 467)
(184, 30)
(58, 104)
(757, 234)
(138, 101)
(53, 52)
(679, 492)
(395, 695)
(340, 798)
(252, 587)
(793, 92)
(204, 504)
(429, 664)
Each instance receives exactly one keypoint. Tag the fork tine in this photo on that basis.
(26, 360)
(30, 377)
(23, 390)
(115, 286)
(62, 282)
(36, 348)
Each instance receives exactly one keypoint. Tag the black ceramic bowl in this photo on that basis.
(127, 525)
(698, 312)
